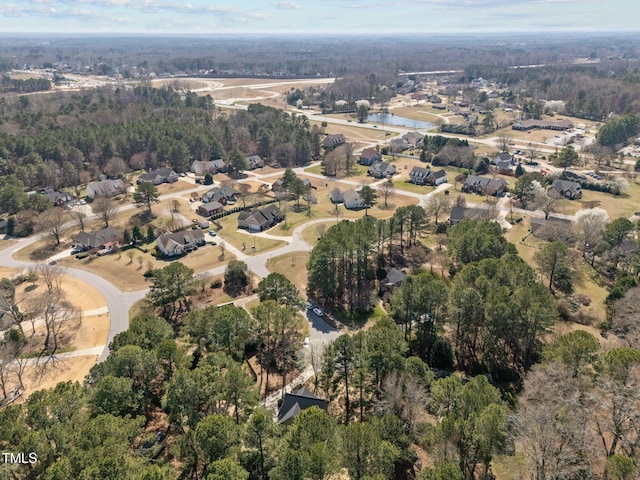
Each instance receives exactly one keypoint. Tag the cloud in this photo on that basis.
(286, 5)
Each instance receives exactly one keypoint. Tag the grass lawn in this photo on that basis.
(127, 274)
(313, 232)
(228, 229)
(293, 266)
(4, 243)
(357, 172)
(412, 187)
(419, 112)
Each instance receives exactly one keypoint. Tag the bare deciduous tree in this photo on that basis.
(105, 209)
(316, 359)
(437, 205)
(52, 222)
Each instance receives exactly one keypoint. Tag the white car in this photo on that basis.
(309, 306)
(318, 312)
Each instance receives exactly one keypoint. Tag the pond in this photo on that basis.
(390, 119)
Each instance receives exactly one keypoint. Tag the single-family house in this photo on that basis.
(260, 219)
(419, 175)
(210, 208)
(224, 195)
(564, 188)
(382, 170)
(57, 198)
(369, 156)
(398, 145)
(458, 214)
(393, 280)
(178, 243)
(542, 228)
(414, 139)
(437, 177)
(293, 403)
(202, 167)
(159, 176)
(333, 141)
(105, 188)
(504, 161)
(352, 200)
(336, 196)
(254, 161)
(105, 238)
(485, 186)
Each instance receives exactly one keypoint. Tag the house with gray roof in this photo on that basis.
(57, 198)
(159, 176)
(565, 188)
(179, 243)
(393, 280)
(437, 177)
(419, 175)
(458, 214)
(369, 156)
(202, 167)
(254, 161)
(504, 161)
(295, 402)
(485, 186)
(106, 188)
(352, 200)
(224, 195)
(98, 240)
(333, 141)
(382, 170)
(260, 219)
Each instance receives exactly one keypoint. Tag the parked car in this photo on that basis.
(309, 306)
(212, 233)
(318, 312)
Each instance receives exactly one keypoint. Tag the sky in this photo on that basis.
(316, 16)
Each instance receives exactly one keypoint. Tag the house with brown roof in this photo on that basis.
(179, 243)
(260, 219)
(210, 208)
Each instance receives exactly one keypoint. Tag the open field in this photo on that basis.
(293, 266)
(6, 272)
(179, 186)
(358, 134)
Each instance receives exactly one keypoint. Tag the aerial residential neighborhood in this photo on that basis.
(394, 256)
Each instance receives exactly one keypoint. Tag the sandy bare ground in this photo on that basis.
(6, 272)
(39, 377)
